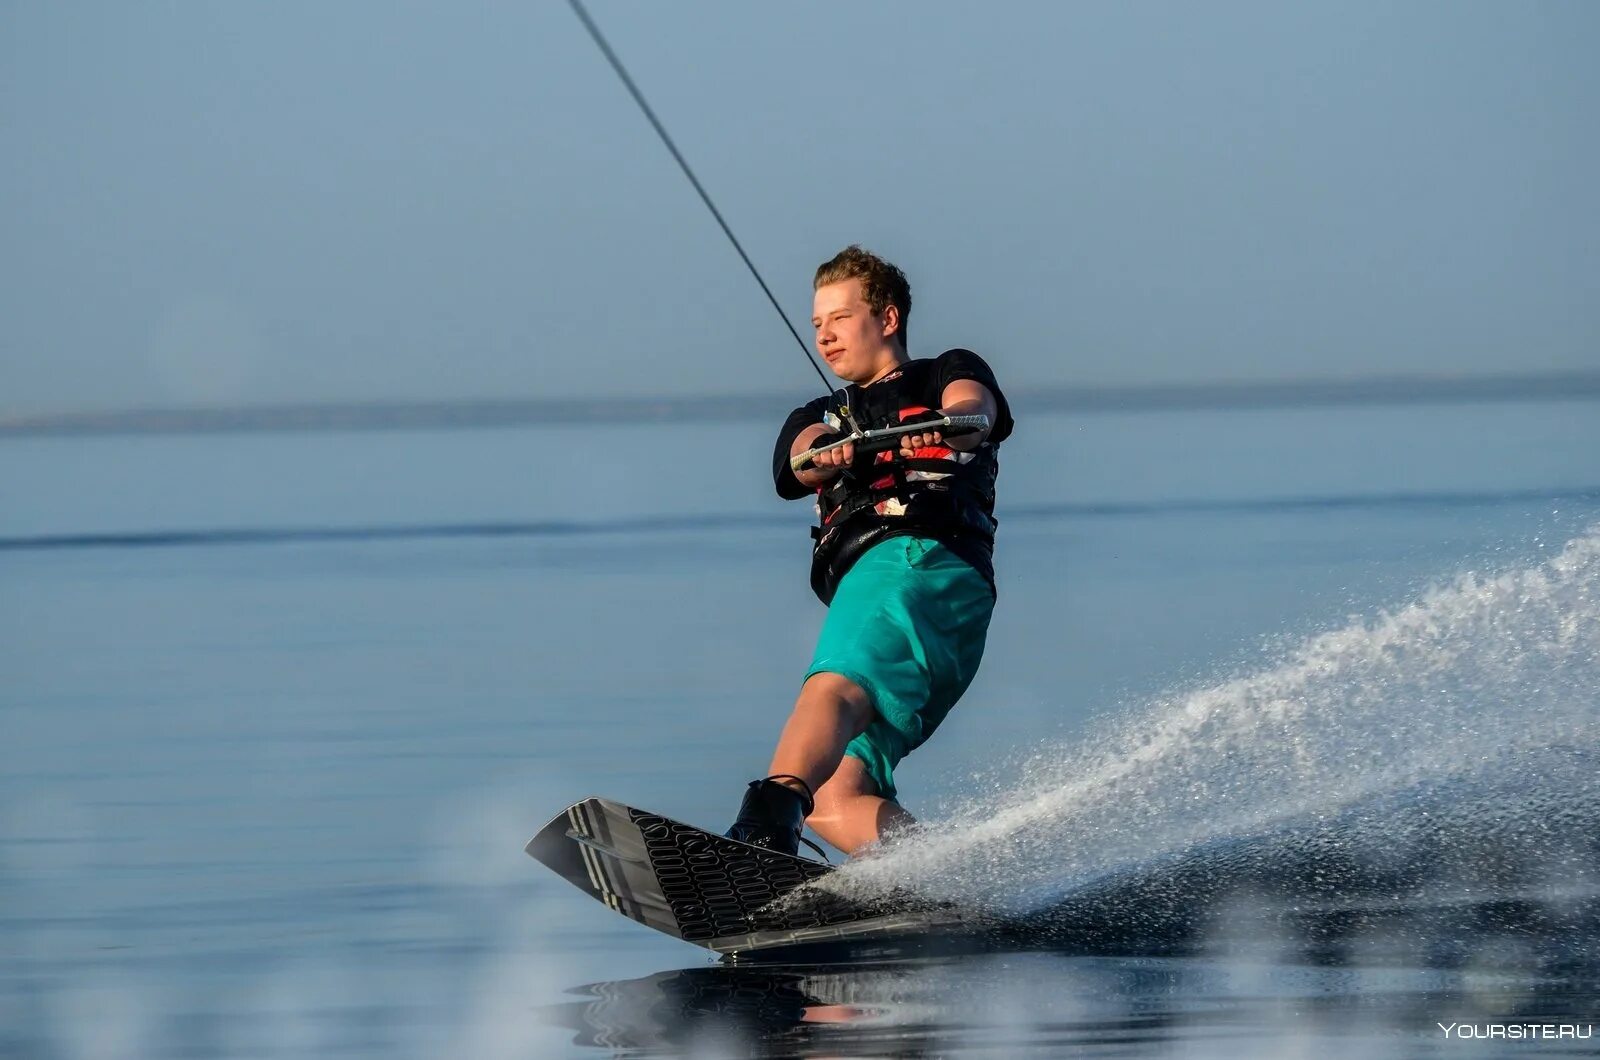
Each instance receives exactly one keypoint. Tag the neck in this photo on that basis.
(893, 358)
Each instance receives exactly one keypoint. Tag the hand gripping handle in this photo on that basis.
(889, 437)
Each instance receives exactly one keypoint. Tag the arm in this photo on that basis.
(968, 397)
(963, 397)
(826, 465)
(799, 433)
(969, 388)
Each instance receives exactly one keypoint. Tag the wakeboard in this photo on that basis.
(727, 896)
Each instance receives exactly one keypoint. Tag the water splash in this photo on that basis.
(1469, 679)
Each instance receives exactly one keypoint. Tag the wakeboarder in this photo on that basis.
(903, 558)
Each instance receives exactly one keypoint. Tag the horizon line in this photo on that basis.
(269, 535)
(470, 413)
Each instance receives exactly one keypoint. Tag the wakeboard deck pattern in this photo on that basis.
(727, 896)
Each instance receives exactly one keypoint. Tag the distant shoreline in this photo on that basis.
(510, 412)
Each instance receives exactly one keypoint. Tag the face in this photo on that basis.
(850, 336)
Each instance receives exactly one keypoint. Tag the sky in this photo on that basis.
(238, 204)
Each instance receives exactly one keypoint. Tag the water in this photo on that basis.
(268, 797)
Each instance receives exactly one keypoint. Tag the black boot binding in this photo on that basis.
(772, 815)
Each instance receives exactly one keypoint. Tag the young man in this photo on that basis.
(902, 558)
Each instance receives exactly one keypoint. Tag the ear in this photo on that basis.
(891, 319)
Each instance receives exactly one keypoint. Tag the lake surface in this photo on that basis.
(278, 711)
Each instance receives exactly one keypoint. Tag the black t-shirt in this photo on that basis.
(918, 385)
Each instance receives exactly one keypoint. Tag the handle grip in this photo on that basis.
(888, 437)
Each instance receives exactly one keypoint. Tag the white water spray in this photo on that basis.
(1476, 672)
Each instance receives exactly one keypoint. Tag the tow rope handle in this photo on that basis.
(889, 437)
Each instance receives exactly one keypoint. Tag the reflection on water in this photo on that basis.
(1049, 1003)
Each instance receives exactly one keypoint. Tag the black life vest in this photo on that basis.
(939, 492)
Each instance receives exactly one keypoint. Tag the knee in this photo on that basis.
(842, 693)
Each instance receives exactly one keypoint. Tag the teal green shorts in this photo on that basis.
(908, 625)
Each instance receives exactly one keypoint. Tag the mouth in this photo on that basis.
(832, 355)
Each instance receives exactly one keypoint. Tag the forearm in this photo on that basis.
(968, 400)
(812, 478)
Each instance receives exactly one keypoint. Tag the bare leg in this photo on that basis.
(850, 814)
(831, 711)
